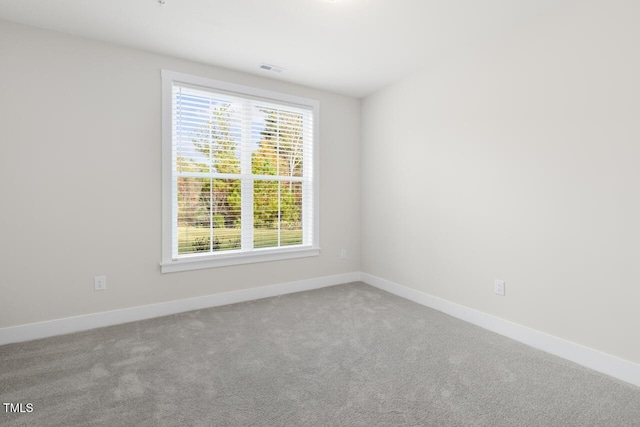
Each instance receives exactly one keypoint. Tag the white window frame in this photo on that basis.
(170, 263)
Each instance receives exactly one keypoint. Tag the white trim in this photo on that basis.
(233, 258)
(168, 189)
(68, 325)
(593, 359)
(237, 89)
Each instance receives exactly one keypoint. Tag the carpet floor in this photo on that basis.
(348, 355)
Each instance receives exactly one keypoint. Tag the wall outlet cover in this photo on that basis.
(100, 283)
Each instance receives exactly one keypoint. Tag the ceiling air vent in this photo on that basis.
(272, 68)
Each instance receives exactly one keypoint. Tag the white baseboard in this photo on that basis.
(68, 325)
(585, 356)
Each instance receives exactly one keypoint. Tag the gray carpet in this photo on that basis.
(347, 355)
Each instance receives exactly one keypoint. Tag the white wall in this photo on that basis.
(518, 161)
(80, 180)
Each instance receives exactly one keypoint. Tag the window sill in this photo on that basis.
(237, 258)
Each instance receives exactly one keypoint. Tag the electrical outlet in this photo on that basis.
(498, 287)
(100, 283)
(343, 254)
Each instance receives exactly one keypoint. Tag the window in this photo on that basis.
(239, 174)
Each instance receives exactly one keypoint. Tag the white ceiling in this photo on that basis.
(352, 47)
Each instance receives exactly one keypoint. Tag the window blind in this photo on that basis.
(242, 173)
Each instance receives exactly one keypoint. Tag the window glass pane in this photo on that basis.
(193, 217)
(208, 215)
(264, 158)
(265, 214)
(290, 144)
(190, 115)
(291, 213)
(215, 140)
(280, 144)
(277, 213)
